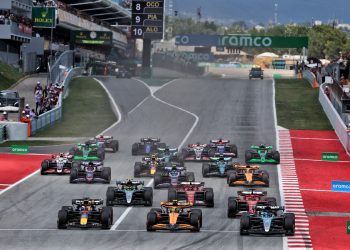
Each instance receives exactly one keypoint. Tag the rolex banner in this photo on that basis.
(44, 17)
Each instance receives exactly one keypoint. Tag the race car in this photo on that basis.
(149, 166)
(90, 172)
(174, 216)
(172, 176)
(85, 213)
(268, 220)
(169, 154)
(246, 175)
(147, 146)
(219, 167)
(224, 147)
(86, 150)
(246, 201)
(58, 164)
(197, 152)
(192, 192)
(262, 154)
(129, 193)
(105, 142)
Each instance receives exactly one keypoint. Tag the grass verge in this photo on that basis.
(298, 106)
(34, 143)
(9, 75)
(86, 111)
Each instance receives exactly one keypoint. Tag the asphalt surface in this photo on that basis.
(239, 110)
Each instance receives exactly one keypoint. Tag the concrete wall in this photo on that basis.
(9, 58)
(16, 131)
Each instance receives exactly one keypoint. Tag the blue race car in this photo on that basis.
(219, 167)
(147, 146)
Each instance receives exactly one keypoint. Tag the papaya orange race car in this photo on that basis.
(246, 175)
(174, 216)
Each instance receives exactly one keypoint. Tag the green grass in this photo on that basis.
(156, 81)
(34, 143)
(9, 75)
(86, 111)
(298, 106)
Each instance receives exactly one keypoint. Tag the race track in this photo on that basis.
(240, 110)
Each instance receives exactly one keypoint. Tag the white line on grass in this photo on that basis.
(127, 211)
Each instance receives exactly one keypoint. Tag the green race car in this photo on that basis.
(84, 150)
(262, 154)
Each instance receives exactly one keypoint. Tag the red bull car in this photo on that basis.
(192, 192)
(224, 147)
(197, 152)
(58, 164)
(149, 166)
(246, 201)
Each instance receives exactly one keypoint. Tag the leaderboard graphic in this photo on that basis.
(147, 19)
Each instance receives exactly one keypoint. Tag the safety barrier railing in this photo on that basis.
(335, 119)
(66, 59)
(2, 133)
(49, 118)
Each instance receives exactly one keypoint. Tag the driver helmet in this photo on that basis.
(220, 139)
(198, 143)
(91, 163)
(129, 182)
(173, 168)
(262, 146)
(221, 158)
(153, 157)
(101, 136)
(167, 149)
(61, 154)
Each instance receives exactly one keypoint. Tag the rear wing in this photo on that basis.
(87, 201)
(178, 168)
(149, 139)
(171, 150)
(192, 183)
(104, 137)
(252, 192)
(246, 167)
(266, 208)
(175, 203)
(259, 147)
(217, 140)
(87, 158)
(132, 182)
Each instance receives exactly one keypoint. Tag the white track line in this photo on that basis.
(18, 182)
(127, 211)
(279, 173)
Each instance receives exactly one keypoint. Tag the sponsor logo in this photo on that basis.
(245, 41)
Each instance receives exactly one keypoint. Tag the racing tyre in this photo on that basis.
(184, 153)
(137, 169)
(205, 169)
(289, 224)
(233, 149)
(190, 176)
(106, 218)
(276, 156)
(199, 212)
(76, 165)
(157, 180)
(172, 194)
(262, 78)
(271, 201)
(211, 152)
(195, 222)
(265, 178)
(73, 175)
(151, 220)
(231, 178)
(156, 210)
(134, 149)
(148, 196)
(106, 174)
(245, 224)
(110, 196)
(44, 167)
(62, 219)
(232, 207)
(101, 153)
(248, 156)
(115, 146)
(209, 197)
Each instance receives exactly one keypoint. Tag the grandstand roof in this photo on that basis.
(104, 10)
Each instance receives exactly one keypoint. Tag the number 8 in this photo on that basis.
(138, 6)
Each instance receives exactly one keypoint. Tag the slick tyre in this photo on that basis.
(232, 207)
(157, 180)
(62, 219)
(115, 146)
(106, 174)
(134, 149)
(265, 178)
(44, 167)
(195, 222)
(199, 212)
(209, 197)
(106, 217)
(137, 169)
(172, 194)
(276, 156)
(233, 149)
(151, 220)
(148, 196)
(73, 175)
(289, 224)
(110, 196)
(231, 178)
(245, 224)
(205, 169)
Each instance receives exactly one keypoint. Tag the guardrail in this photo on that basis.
(66, 59)
(335, 119)
(2, 133)
(309, 76)
(54, 115)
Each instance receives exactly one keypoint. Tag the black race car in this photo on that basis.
(58, 164)
(85, 213)
(147, 146)
(129, 193)
(224, 147)
(90, 172)
(172, 176)
(268, 220)
(105, 142)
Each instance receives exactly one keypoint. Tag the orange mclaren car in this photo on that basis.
(246, 175)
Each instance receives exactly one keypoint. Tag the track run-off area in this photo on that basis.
(182, 111)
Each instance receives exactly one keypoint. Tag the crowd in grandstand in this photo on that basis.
(45, 3)
(6, 17)
(45, 99)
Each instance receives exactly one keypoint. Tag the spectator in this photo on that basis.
(27, 109)
(38, 97)
(32, 114)
(4, 116)
(38, 87)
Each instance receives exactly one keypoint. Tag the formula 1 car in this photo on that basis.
(246, 201)
(58, 164)
(192, 192)
(105, 142)
(262, 154)
(268, 220)
(224, 147)
(172, 176)
(169, 154)
(149, 166)
(174, 216)
(90, 172)
(87, 150)
(147, 146)
(85, 213)
(246, 175)
(219, 167)
(197, 152)
(129, 193)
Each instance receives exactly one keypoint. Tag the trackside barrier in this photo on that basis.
(2, 133)
(335, 119)
(54, 115)
(311, 78)
(66, 59)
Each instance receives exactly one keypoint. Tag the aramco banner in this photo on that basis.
(243, 41)
(44, 17)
